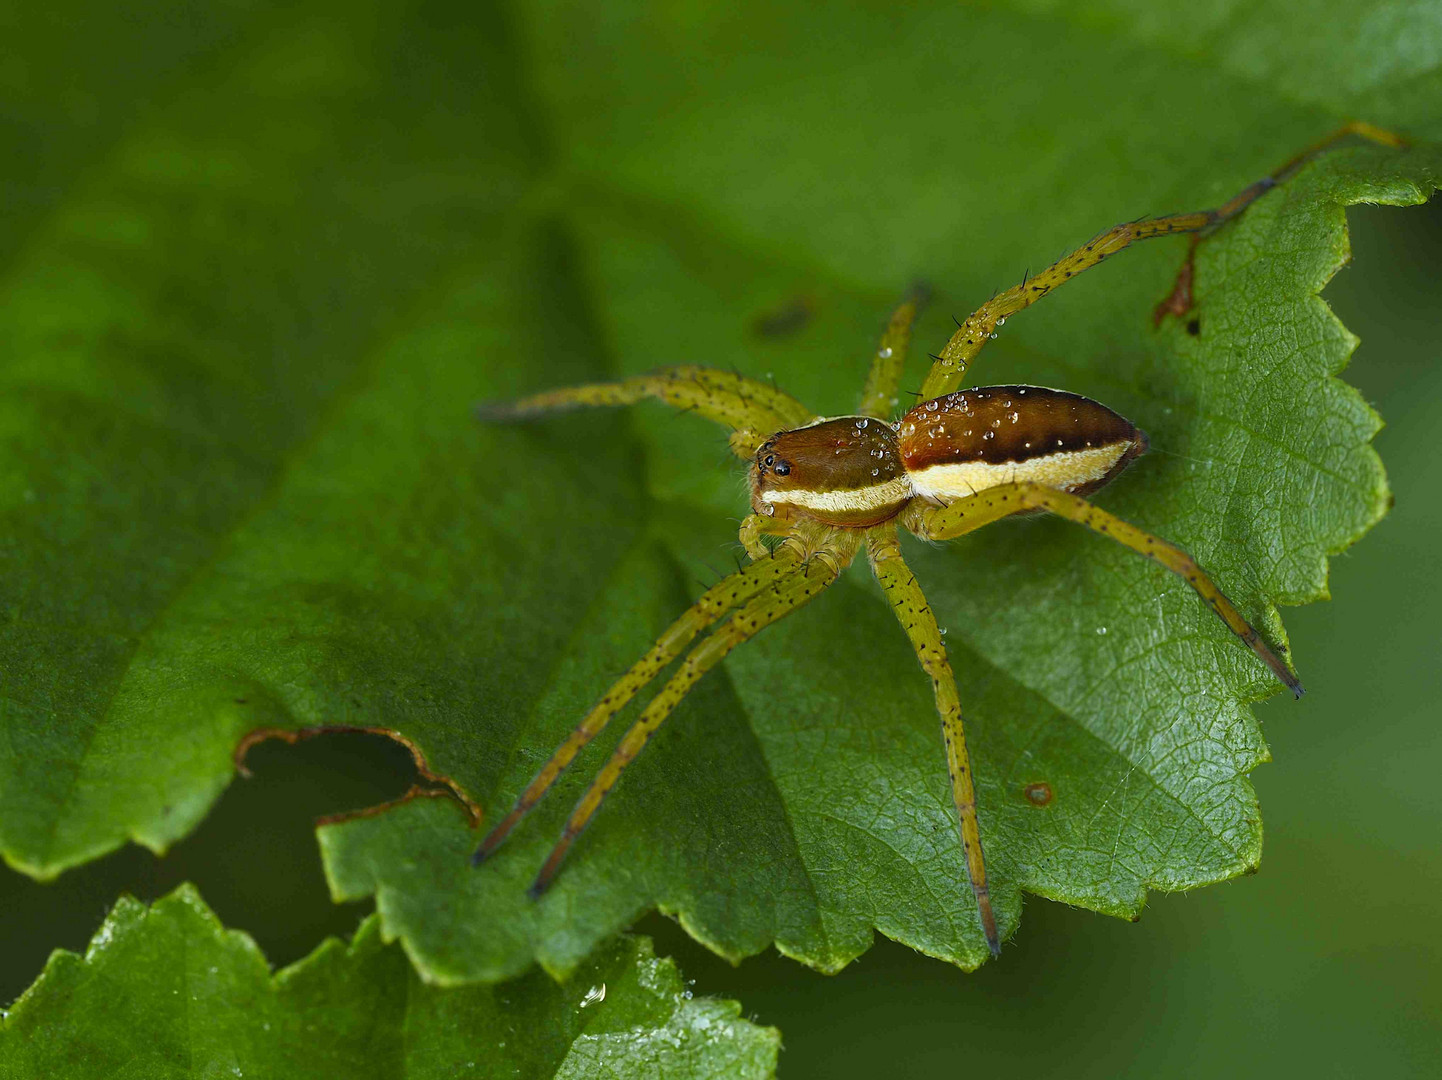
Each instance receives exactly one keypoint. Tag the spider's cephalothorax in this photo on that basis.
(844, 472)
(827, 488)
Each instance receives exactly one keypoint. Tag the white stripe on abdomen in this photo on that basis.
(1066, 469)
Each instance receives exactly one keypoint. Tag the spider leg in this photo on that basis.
(784, 596)
(754, 527)
(755, 409)
(714, 603)
(878, 397)
(947, 372)
(992, 504)
(1179, 301)
(914, 613)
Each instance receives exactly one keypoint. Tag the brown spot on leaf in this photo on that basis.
(1038, 793)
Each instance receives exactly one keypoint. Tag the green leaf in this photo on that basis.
(167, 991)
(242, 487)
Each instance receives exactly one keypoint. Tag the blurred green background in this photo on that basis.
(1327, 962)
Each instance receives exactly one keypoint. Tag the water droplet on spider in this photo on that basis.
(885, 353)
(967, 433)
(996, 423)
(862, 422)
(1006, 404)
(1001, 321)
(989, 435)
(932, 406)
(875, 472)
(992, 335)
(1022, 390)
(1015, 417)
(1101, 629)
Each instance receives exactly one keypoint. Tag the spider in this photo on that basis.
(828, 487)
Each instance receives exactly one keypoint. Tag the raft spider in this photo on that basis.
(827, 487)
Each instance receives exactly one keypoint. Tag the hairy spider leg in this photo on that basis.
(974, 511)
(950, 367)
(722, 597)
(1179, 300)
(783, 597)
(1359, 128)
(916, 618)
(753, 409)
(754, 527)
(878, 397)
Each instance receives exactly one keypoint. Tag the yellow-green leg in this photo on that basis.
(914, 613)
(878, 397)
(974, 511)
(754, 409)
(781, 598)
(754, 527)
(717, 601)
(947, 372)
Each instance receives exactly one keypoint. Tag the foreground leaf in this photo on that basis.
(243, 488)
(166, 991)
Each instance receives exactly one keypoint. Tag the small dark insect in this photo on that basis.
(785, 320)
(958, 460)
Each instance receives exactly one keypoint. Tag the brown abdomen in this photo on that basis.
(961, 443)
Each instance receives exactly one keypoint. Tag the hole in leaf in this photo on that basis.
(254, 858)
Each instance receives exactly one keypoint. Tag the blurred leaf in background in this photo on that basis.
(240, 334)
(168, 992)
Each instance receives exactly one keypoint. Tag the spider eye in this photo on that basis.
(782, 469)
(770, 459)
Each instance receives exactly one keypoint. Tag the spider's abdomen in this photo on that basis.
(844, 472)
(962, 443)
